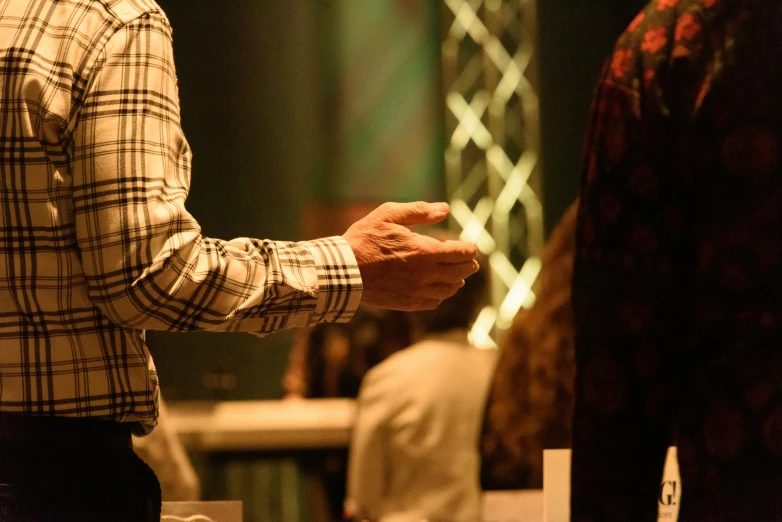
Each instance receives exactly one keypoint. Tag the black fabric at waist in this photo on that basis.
(52, 431)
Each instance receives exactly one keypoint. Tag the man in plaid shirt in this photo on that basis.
(96, 246)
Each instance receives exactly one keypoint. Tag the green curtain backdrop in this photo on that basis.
(383, 134)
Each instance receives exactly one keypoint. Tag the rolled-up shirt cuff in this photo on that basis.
(338, 279)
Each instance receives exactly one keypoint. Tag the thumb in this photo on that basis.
(418, 213)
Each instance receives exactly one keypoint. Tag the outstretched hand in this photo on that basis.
(402, 270)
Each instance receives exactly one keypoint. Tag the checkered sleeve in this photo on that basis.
(146, 263)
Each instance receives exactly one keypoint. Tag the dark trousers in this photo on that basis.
(46, 481)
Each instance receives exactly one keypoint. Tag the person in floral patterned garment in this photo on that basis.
(678, 273)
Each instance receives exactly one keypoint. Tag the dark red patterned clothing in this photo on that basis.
(678, 274)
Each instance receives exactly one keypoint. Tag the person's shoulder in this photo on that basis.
(415, 355)
(392, 371)
(418, 359)
(125, 11)
(453, 358)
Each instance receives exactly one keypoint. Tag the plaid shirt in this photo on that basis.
(95, 241)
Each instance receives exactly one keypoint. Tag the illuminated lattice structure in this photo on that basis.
(493, 143)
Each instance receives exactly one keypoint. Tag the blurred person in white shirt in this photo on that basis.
(414, 449)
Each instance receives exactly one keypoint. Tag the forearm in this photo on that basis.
(242, 285)
(144, 258)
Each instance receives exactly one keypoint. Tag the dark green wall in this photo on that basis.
(251, 111)
(270, 92)
(575, 37)
(252, 83)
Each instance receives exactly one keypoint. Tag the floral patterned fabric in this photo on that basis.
(678, 272)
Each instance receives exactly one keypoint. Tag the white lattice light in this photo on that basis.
(492, 172)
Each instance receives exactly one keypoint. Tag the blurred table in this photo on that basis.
(296, 424)
(513, 506)
(298, 427)
(203, 511)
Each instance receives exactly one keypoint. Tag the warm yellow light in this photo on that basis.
(480, 334)
(520, 293)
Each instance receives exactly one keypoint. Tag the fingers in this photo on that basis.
(433, 296)
(450, 251)
(443, 290)
(418, 213)
(403, 270)
(430, 304)
(454, 272)
(415, 305)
